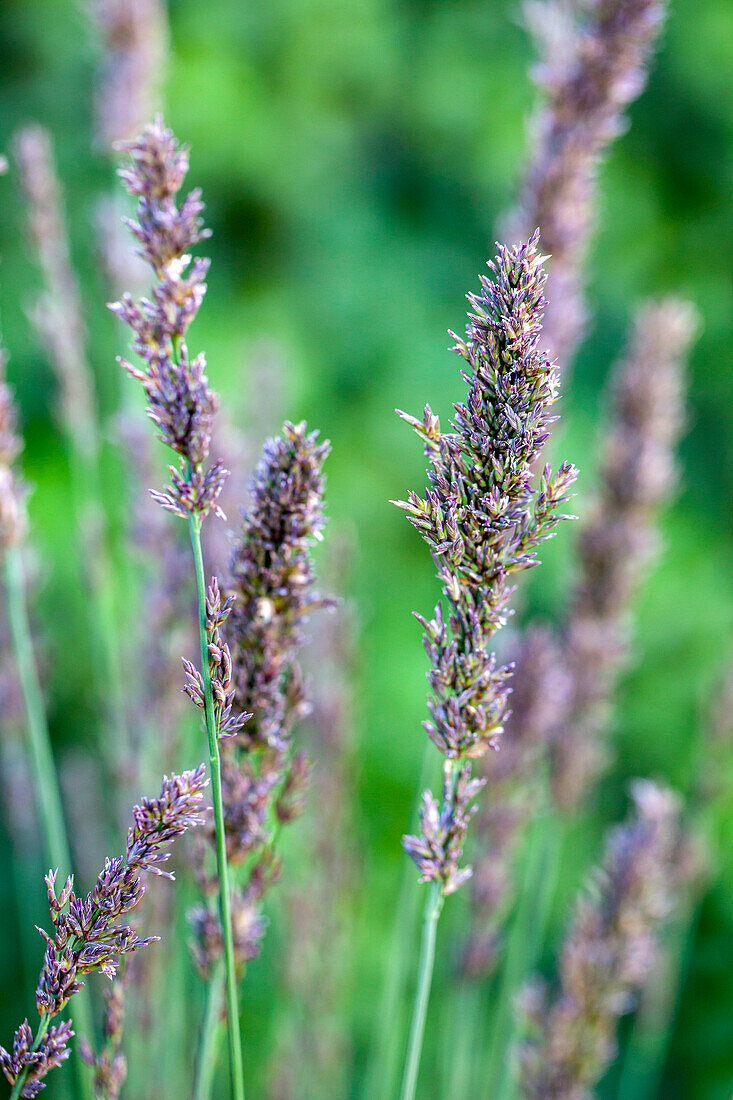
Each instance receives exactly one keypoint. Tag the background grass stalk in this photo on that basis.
(433, 909)
(520, 957)
(43, 768)
(235, 1041)
(464, 1024)
(92, 524)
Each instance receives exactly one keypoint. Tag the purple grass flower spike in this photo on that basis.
(135, 45)
(619, 540)
(180, 402)
(565, 679)
(220, 667)
(52, 1051)
(88, 933)
(264, 779)
(483, 520)
(273, 581)
(438, 851)
(58, 314)
(594, 56)
(609, 953)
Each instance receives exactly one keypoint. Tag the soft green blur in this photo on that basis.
(356, 159)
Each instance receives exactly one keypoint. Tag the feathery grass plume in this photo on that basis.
(594, 57)
(272, 593)
(220, 667)
(182, 405)
(273, 582)
(134, 39)
(618, 542)
(608, 955)
(90, 934)
(180, 401)
(483, 520)
(564, 680)
(30, 1061)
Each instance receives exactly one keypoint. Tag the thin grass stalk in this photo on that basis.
(433, 909)
(386, 1048)
(23, 847)
(426, 964)
(39, 743)
(232, 1001)
(210, 1036)
(499, 1077)
(313, 1049)
(464, 1019)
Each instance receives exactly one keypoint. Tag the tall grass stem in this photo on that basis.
(232, 1001)
(433, 909)
(210, 1036)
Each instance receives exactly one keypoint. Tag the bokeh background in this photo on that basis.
(356, 160)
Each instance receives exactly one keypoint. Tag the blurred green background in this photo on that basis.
(356, 159)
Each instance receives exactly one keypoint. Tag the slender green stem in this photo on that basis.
(463, 1031)
(235, 1041)
(44, 771)
(386, 1044)
(211, 1030)
(40, 1033)
(210, 1036)
(433, 909)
